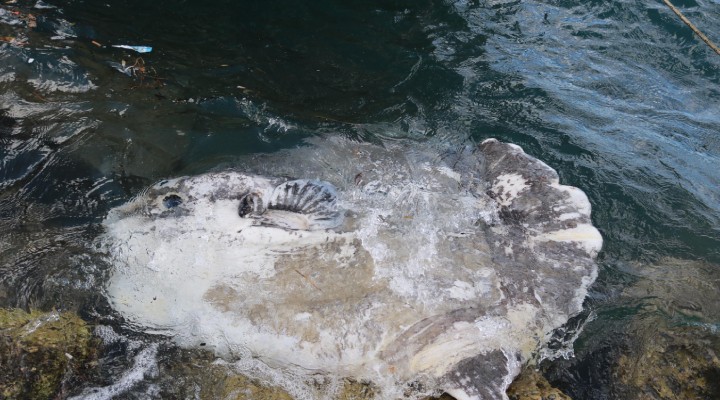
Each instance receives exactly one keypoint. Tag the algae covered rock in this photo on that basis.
(675, 347)
(41, 353)
(675, 363)
(198, 374)
(532, 385)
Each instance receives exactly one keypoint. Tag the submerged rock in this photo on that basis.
(418, 270)
(660, 343)
(41, 353)
(675, 363)
(673, 345)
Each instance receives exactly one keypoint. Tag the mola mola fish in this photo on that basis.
(396, 264)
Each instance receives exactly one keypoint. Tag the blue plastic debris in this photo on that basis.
(139, 49)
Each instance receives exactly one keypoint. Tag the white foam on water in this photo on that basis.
(145, 364)
(62, 75)
(109, 336)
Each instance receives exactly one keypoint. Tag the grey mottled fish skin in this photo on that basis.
(447, 268)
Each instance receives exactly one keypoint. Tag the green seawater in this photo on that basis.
(620, 97)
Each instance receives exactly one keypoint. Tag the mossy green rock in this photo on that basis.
(39, 351)
(218, 382)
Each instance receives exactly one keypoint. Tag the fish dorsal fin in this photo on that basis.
(303, 204)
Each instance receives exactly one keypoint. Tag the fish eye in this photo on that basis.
(250, 204)
(172, 201)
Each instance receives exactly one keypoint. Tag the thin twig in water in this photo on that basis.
(308, 280)
(693, 27)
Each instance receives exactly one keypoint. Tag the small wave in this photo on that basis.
(145, 365)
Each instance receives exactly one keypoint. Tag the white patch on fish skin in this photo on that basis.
(585, 235)
(577, 199)
(449, 173)
(462, 290)
(303, 316)
(508, 187)
(569, 216)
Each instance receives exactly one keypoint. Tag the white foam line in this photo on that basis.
(145, 361)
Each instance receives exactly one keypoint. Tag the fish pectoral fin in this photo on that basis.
(285, 220)
(303, 204)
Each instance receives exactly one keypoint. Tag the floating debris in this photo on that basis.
(139, 49)
(138, 70)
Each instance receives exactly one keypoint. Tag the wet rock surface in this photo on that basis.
(532, 385)
(674, 345)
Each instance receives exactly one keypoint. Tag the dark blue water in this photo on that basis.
(620, 97)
